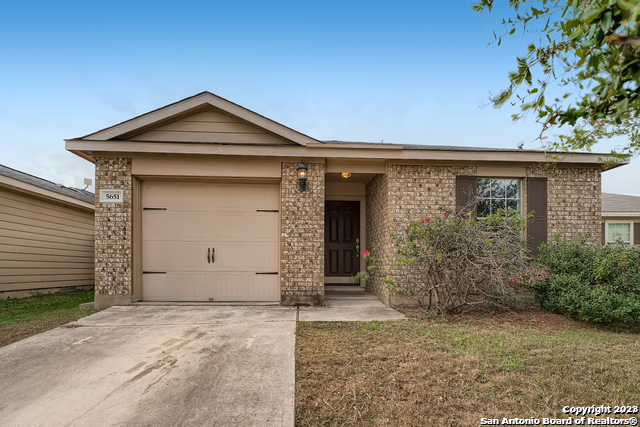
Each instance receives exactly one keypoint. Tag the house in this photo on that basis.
(620, 219)
(204, 200)
(46, 235)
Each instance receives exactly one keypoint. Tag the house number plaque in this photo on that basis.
(111, 196)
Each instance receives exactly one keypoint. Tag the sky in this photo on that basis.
(408, 72)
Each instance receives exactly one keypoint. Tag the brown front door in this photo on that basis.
(342, 239)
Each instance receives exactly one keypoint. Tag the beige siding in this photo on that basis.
(43, 244)
(211, 126)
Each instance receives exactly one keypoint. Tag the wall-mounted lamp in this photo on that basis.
(302, 176)
(346, 175)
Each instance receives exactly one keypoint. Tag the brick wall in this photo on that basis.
(302, 243)
(377, 228)
(113, 233)
(404, 194)
(573, 200)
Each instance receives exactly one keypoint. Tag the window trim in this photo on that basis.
(613, 221)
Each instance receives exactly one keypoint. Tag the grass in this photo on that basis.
(435, 372)
(23, 317)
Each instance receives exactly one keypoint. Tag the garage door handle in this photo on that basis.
(269, 273)
(208, 256)
(154, 272)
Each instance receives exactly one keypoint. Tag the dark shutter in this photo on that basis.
(465, 190)
(603, 235)
(636, 233)
(537, 202)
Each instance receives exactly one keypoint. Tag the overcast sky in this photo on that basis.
(410, 72)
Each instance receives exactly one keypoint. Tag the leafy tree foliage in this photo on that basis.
(591, 50)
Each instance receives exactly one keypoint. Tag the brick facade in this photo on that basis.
(404, 194)
(302, 231)
(113, 244)
(573, 200)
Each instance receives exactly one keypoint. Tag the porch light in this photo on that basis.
(302, 176)
(346, 175)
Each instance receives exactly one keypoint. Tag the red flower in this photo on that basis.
(408, 228)
(445, 214)
(365, 253)
(428, 219)
(513, 280)
(423, 220)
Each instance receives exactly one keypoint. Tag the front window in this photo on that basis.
(495, 193)
(619, 232)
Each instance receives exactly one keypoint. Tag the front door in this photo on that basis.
(342, 241)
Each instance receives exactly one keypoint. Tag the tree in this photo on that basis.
(590, 49)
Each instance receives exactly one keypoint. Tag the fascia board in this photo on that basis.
(194, 103)
(23, 187)
(394, 155)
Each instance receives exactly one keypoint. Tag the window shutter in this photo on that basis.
(465, 190)
(603, 235)
(636, 233)
(537, 202)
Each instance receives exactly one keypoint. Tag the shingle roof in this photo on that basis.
(620, 203)
(76, 193)
(430, 147)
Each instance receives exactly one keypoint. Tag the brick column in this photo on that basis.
(113, 244)
(302, 243)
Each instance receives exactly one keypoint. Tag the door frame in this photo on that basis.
(363, 233)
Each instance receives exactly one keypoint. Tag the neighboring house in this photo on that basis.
(46, 235)
(201, 200)
(620, 219)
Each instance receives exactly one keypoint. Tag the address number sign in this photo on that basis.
(111, 196)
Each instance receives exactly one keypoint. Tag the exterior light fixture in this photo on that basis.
(346, 175)
(302, 176)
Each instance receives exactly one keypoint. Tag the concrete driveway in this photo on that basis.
(155, 366)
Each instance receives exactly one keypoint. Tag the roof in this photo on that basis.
(75, 193)
(190, 105)
(618, 204)
(149, 134)
(432, 147)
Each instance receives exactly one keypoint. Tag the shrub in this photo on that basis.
(594, 283)
(452, 259)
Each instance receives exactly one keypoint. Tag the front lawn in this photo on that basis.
(453, 372)
(23, 317)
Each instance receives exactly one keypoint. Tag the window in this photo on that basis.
(494, 193)
(619, 232)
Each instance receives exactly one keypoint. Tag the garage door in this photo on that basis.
(210, 242)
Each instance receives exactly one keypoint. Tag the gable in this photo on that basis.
(210, 126)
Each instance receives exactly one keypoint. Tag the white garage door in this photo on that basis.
(210, 242)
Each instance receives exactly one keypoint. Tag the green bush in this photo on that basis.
(594, 283)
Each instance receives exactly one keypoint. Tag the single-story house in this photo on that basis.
(46, 235)
(204, 200)
(620, 219)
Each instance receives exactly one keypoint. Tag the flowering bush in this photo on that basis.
(595, 283)
(452, 259)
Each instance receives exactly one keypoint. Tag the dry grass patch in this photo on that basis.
(435, 372)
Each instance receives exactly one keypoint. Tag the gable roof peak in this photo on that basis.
(192, 105)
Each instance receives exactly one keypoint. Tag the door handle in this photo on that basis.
(213, 255)
(208, 256)
(357, 251)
